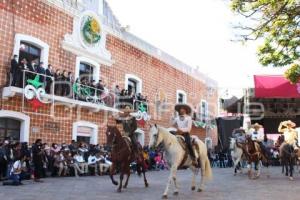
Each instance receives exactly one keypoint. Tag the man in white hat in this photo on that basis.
(184, 122)
(287, 128)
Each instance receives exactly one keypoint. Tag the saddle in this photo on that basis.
(183, 145)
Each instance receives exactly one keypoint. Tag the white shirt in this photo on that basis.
(79, 159)
(257, 135)
(17, 166)
(92, 160)
(184, 123)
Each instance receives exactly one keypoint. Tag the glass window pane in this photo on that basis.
(34, 51)
(13, 134)
(13, 124)
(2, 134)
(2, 122)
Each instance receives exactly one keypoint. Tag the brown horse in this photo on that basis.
(288, 157)
(122, 155)
(255, 154)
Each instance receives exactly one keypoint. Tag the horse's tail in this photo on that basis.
(208, 171)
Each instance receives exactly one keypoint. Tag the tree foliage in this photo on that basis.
(277, 22)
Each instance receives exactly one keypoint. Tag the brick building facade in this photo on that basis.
(118, 58)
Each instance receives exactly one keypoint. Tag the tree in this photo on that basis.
(277, 22)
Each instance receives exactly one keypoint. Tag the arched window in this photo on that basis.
(87, 69)
(31, 48)
(181, 96)
(10, 128)
(14, 125)
(133, 83)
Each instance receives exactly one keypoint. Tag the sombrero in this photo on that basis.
(289, 123)
(184, 106)
(256, 126)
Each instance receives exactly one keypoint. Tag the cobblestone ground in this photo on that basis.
(224, 186)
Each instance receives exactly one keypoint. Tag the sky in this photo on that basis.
(197, 32)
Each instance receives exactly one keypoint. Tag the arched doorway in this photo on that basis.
(14, 125)
(86, 132)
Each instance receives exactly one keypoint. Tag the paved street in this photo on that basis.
(223, 187)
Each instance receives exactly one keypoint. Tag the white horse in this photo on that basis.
(236, 154)
(174, 153)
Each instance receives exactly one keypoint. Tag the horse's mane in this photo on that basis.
(165, 131)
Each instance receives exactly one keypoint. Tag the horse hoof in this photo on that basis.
(291, 178)
(199, 190)
(234, 174)
(146, 185)
(175, 193)
(165, 196)
(119, 190)
(115, 183)
(193, 188)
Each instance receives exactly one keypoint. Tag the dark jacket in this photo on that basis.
(13, 66)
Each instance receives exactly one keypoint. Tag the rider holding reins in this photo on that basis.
(290, 134)
(184, 123)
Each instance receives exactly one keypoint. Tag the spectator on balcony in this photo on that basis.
(58, 79)
(18, 77)
(65, 84)
(14, 64)
(117, 90)
(41, 71)
(100, 88)
(49, 78)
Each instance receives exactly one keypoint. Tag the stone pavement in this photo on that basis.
(223, 187)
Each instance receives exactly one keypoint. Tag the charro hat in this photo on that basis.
(257, 126)
(187, 108)
(289, 123)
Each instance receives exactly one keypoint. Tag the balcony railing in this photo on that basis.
(64, 92)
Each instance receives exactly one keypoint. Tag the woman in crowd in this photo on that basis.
(73, 164)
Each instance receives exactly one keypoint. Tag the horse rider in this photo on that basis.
(287, 128)
(239, 134)
(184, 122)
(129, 125)
(258, 136)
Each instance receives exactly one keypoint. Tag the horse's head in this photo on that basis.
(232, 143)
(155, 137)
(111, 134)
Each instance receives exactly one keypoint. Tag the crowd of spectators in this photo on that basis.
(19, 161)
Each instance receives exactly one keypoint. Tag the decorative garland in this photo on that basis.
(91, 30)
(34, 91)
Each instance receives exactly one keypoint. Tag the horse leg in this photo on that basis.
(173, 168)
(127, 179)
(175, 183)
(291, 170)
(202, 182)
(121, 179)
(249, 166)
(111, 174)
(144, 172)
(193, 187)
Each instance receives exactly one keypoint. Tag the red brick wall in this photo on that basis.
(50, 25)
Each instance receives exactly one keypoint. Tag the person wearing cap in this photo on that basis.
(287, 128)
(184, 122)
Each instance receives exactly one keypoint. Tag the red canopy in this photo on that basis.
(275, 87)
